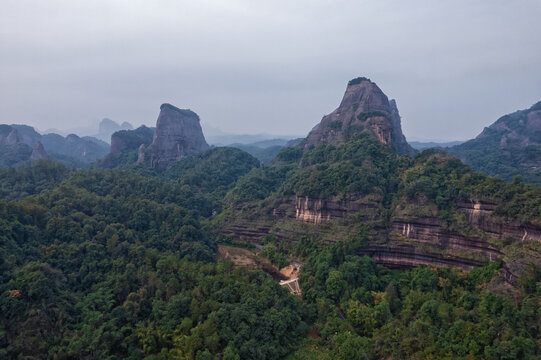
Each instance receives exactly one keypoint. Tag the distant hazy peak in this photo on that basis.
(165, 107)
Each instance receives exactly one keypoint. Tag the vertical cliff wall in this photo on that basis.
(363, 107)
(178, 134)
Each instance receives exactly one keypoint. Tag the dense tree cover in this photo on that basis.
(263, 154)
(11, 155)
(488, 157)
(257, 184)
(364, 311)
(114, 264)
(19, 182)
(365, 167)
(213, 171)
(362, 166)
(445, 180)
(117, 264)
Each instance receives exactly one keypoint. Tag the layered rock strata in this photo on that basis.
(428, 230)
(318, 211)
(363, 107)
(408, 256)
(481, 215)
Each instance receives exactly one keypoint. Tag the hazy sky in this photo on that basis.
(267, 66)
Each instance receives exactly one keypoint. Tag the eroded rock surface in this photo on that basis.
(38, 152)
(363, 107)
(178, 134)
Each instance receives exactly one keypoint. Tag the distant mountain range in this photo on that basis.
(423, 145)
(22, 143)
(509, 147)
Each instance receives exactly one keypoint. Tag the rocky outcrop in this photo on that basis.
(38, 152)
(13, 138)
(408, 256)
(364, 107)
(178, 134)
(141, 154)
(318, 211)
(429, 231)
(481, 215)
(127, 140)
(510, 146)
(399, 140)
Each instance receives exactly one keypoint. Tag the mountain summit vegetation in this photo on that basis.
(509, 147)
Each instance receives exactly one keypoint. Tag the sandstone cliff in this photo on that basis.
(178, 134)
(38, 152)
(11, 137)
(363, 107)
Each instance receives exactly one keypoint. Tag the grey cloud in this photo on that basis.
(268, 66)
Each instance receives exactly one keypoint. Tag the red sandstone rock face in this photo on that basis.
(364, 106)
(178, 134)
(318, 211)
(428, 230)
(411, 240)
(481, 216)
(12, 138)
(38, 152)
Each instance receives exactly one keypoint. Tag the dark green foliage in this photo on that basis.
(363, 166)
(111, 265)
(17, 183)
(365, 311)
(132, 139)
(257, 185)
(335, 125)
(213, 170)
(125, 160)
(118, 264)
(12, 155)
(368, 114)
(289, 154)
(265, 155)
(357, 80)
(445, 180)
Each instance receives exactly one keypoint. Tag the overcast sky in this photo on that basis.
(275, 66)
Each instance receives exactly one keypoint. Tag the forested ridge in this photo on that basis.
(121, 263)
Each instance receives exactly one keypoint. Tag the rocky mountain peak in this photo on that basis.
(178, 134)
(13, 137)
(365, 95)
(364, 107)
(521, 128)
(38, 152)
